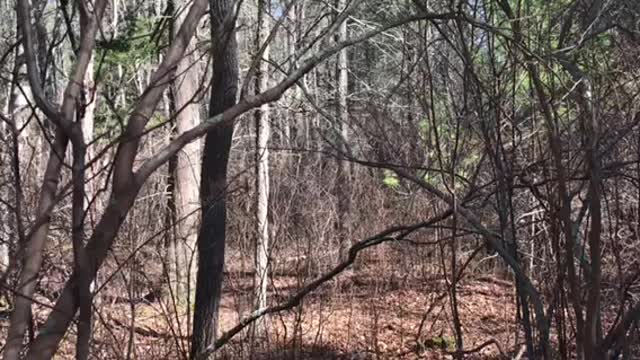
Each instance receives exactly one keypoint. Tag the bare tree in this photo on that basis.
(343, 177)
(63, 118)
(263, 132)
(125, 185)
(217, 143)
(181, 261)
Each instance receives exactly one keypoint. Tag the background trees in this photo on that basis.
(450, 150)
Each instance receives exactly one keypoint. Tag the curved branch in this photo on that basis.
(294, 300)
(23, 10)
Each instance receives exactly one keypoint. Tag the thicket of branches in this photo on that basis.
(414, 144)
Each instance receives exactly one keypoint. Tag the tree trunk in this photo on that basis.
(343, 178)
(19, 130)
(262, 169)
(299, 125)
(90, 99)
(211, 239)
(186, 175)
(33, 248)
(125, 185)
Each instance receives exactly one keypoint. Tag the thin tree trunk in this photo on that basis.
(211, 239)
(262, 169)
(90, 97)
(88, 128)
(83, 191)
(33, 249)
(17, 162)
(300, 125)
(5, 217)
(186, 175)
(343, 177)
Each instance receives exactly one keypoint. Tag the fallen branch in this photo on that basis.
(294, 300)
(478, 348)
(146, 331)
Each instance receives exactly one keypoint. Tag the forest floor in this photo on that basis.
(361, 316)
(407, 322)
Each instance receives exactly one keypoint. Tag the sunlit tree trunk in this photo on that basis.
(90, 98)
(186, 175)
(343, 178)
(262, 168)
(5, 173)
(5, 212)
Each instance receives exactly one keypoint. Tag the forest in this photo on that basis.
(320, 179)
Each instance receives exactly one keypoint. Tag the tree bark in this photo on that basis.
(262, 169)
(343, 176)
(211, 239)
(186, 175)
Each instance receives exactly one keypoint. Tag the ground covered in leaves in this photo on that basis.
(356, 317)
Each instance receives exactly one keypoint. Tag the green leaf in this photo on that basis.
(391, 179)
